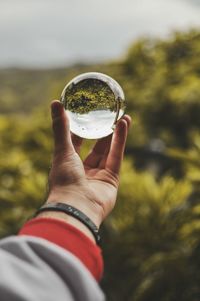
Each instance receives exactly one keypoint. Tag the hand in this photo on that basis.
(90, 186)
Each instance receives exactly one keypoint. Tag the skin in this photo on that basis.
(90, 186)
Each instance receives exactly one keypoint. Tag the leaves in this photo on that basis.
(151, 242)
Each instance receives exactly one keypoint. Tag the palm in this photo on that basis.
(102, 165)
(104, 187)
(101, 168)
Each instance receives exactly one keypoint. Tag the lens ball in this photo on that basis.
(94, 102)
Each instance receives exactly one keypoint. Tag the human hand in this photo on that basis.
(90, 186)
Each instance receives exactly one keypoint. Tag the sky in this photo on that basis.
(49, 33)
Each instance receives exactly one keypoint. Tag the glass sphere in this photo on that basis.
(94, 102)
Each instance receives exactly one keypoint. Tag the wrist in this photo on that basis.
(81, 200)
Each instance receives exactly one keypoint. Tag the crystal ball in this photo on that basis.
(93, 102)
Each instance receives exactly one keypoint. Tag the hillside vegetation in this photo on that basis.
(151, 242)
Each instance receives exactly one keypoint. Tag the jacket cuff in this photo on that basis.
(69, 238)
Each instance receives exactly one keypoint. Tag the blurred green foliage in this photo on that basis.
(151, 242)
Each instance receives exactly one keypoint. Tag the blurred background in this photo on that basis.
(151, 242)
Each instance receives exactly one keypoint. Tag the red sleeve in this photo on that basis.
(69, 238)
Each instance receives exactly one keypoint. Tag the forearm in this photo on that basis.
(69, 220)
(64, 234)
(34, 269)
(67, 231)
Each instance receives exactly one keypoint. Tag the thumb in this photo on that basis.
(61, 130)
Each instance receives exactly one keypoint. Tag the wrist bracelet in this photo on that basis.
(68, 209)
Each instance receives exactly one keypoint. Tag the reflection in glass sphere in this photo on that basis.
(93, 102)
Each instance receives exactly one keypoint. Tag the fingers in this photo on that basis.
(102, 163)
(97, 152)
(60, 124)
(77, 142)
(98, 157)
(106, 151)
(116, 153)
(128, 120)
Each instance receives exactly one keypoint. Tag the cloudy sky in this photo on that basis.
(46, 33)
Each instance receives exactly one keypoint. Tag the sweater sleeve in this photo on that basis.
(69, 238)
(35, 269)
